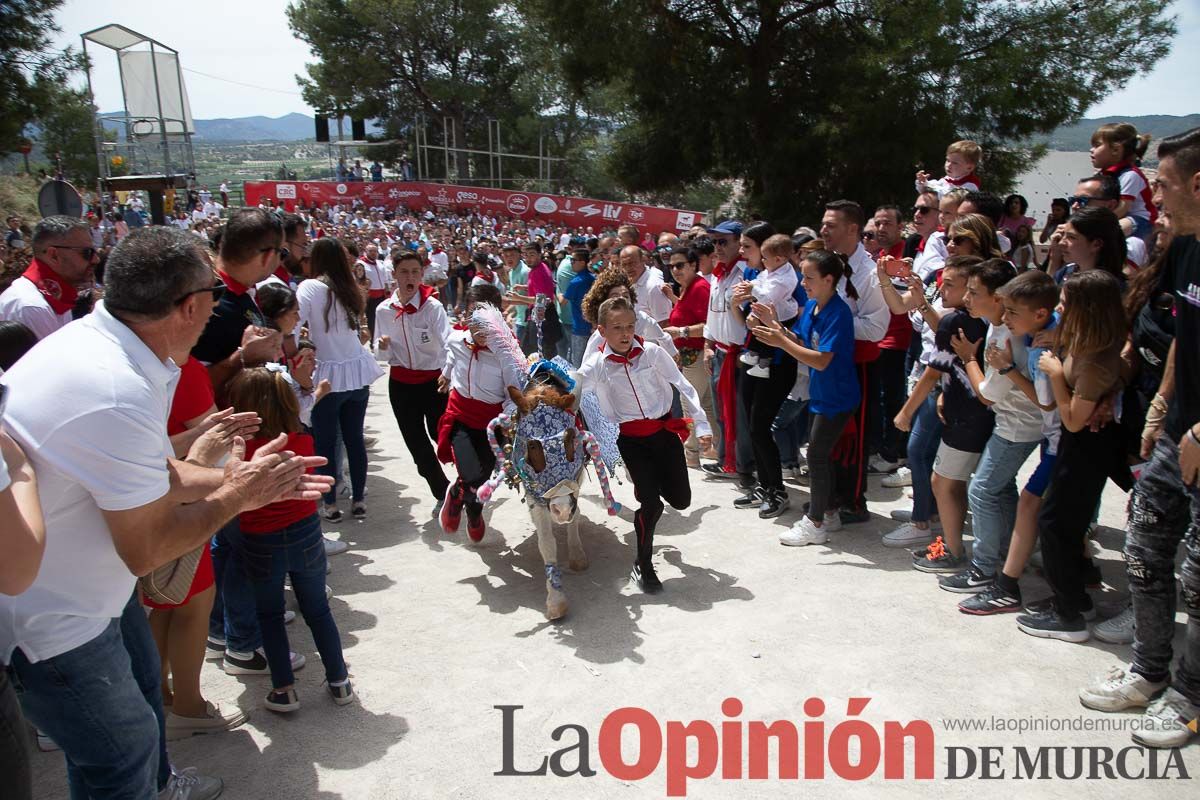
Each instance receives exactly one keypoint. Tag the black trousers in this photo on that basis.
(1085, 462)
(418, 408)
(887, 393)
(372, 304)
(659, 472)
(762, 399)
(850, 470)
(475, 461)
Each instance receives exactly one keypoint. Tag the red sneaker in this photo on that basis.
(451, 516)
(476, 527)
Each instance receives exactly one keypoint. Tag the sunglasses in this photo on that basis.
(86, 252)
(960, 239)
(217, 291)
(922, 210)
(720, 242)
(679, 264)
(869, 237)
(1081, 200)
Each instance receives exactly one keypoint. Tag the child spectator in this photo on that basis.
(1117, 150)
(962, 159)
(282, 540)
(1090, 339)
(577, 289)
(774, 286)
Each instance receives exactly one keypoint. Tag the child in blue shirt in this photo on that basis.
(823, 341)
(576, 289)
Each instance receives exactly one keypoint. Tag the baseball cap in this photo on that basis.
(729, 226)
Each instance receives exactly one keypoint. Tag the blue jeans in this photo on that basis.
(102, 704)
(297, 551)
(344, 413)
(578, 348)
(232, 617)
(789, 429)
(923, 443)
(992, 497)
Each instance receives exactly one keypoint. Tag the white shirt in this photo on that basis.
(213, 209)
(943, 186)
(933, 257)
(721, 326)
(775, 289)
(378, 274)
(644, 327)
(871, 314)
(650, 297)
(440, 259)
(418, 340)
(640, 387)
(480, 375)
(341, 357)
(1017, 418)
(22, 302)
(105, 449)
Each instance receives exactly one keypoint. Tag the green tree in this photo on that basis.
(67, 128)
(30, 70)
(808, 101)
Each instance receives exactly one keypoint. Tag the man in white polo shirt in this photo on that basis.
(647, 284)
(63, 257)
(118, 504)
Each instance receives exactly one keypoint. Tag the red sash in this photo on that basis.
(727, 397)
(377, 294)
(60, 294)
(680, 426)
(865, 352)
(470, 412)
(413, 376)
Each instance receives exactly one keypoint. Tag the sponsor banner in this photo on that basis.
(573, 211)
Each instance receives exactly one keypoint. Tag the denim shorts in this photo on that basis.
(1040, 479)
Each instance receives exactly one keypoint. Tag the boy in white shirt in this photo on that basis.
(775, 286)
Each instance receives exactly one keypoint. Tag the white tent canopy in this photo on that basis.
(156, 101)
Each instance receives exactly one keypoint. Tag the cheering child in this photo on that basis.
(632, 379)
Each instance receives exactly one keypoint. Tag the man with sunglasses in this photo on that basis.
(1094, 191)
(63, 258)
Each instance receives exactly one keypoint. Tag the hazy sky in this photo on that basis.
(247, 46)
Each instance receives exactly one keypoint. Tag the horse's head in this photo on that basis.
(547, 451)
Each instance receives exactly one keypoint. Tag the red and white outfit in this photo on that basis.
(419, 333)
(727, 334)
(1135, 190)
(650, 298)
(944, 186)
(40, 299)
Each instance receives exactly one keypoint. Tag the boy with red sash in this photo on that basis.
(632, 380)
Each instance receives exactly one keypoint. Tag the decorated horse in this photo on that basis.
(545, 455)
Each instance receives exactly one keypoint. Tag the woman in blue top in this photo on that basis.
(823, 341)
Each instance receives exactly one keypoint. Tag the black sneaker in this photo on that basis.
(645, 577)
(776, 502)
(283, 702)
(751, 499)
(715, 470)
(969, 581)
(1046, 606)
(855, 516)
(1051, 625)
(992, 600)
(937, 558)
(342, 693)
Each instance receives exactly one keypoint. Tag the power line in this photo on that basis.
(239, 83)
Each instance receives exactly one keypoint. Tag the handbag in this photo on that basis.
(170, 583)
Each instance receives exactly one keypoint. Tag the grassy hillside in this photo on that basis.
(1078, 137)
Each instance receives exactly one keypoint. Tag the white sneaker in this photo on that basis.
(335, 546)
(1118, 690)
(1168, 722)
(900, 478)
(289, 616)
(908, 535)
(904, 515)
(188, 784)
(804, 532)
(749, 359)
(831, 522)
(759, 371)
(1118, 629)
(879, 464)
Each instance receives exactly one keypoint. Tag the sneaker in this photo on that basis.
(748, 358)
(907, 535)
(1120, 689)
(992, 600)
(717, 471)
(328, 592)
(855, 516)
(692, 459)
(646, 578)
(880, 465)
(254, 663)
(213, 721)
(1051, 625)
(710, 454)
(799, 474)
(289, 617)
(904, 515)
(937, 558)
(804, 532)
(970, 581)
(1118, 629)
(342, 692)
(437, 508)
(831, 522)
(335, 546)
(1046, 605)
(359, 510)
(775, 503)
(283, 702)
(451, 513)
(751, 499)
(476, 527)
(188, 784)
(1168, 722)
(897, 480)
(215, 646)
(331, 512)
(759, 371)
(46, 744)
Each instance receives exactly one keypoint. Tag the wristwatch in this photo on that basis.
(1007, 369)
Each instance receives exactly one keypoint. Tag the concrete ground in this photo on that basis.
(438, 632)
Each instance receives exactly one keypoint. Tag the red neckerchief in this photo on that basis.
(59, 293)
(972, 178)
(895, 251)
(283, 275)
(423, 293)
(231, 284)
(921, 244)
(475, 348)
(720, 270)
(1117, 169)
(634, 351)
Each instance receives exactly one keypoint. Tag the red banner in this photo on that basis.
(577, 212)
